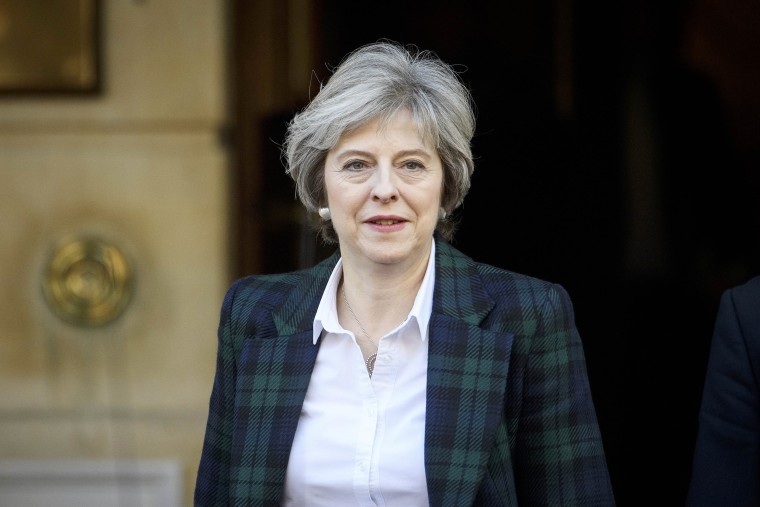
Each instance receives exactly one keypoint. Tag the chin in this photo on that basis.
(387, 258)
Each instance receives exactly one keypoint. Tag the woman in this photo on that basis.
(397, 372)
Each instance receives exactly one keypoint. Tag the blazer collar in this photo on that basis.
(296, 315)
(458, 291)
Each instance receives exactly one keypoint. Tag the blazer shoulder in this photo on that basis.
(748, 293)
(513, 280)
(503, 283)
(527, 299)
(506, 294)
(743, 303)
(268, 288)
(498, 280)
(264, 297)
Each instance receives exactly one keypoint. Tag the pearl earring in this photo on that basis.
(441, 214)
(325, 214)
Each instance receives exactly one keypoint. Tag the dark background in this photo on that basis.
(617, 154)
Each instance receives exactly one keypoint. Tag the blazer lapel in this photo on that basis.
(467, 372)
(273, 377)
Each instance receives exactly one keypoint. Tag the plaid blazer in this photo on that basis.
(510, 419)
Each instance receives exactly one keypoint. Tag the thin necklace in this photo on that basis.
(370, 362)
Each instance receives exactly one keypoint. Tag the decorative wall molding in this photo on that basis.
(90, 483)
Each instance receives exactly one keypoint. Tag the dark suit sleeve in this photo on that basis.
(726, 466)
(212, 483)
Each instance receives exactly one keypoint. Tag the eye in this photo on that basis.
(413, 165)
(355, 165)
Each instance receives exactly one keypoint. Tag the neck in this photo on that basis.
(380, 303)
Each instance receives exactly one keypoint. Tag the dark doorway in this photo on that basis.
(616, 155)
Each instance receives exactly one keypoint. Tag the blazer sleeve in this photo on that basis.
(726, 462)
(212, 483)
(559, 452)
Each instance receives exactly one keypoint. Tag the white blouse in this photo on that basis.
(360, 440)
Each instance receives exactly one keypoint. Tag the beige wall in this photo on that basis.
(141, 164)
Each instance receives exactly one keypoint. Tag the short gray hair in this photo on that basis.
(374, 82)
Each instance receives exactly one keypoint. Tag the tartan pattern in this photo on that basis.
(509, 411)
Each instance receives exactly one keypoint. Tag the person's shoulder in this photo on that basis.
(505, 283)
(745, 300)
(499, 280)
(751, 286)
(272, 287)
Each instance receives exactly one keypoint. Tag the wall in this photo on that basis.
(140, 164)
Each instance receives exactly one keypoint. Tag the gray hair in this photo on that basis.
(374, 82)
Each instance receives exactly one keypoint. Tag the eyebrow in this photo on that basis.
(361, 153)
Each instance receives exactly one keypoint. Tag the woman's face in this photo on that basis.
(384, 192)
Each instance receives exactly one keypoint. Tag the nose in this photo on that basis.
(385, 188)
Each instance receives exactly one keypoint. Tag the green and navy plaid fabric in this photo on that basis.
(510, 419)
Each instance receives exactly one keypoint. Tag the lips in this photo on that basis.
(386, 222)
